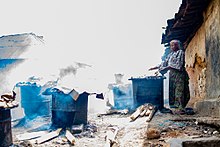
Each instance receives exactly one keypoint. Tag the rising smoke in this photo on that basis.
(71, 69)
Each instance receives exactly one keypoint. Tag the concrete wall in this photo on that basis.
(203, 62)
(212, 42)
(196, 65)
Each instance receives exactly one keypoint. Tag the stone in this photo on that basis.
(152, 133)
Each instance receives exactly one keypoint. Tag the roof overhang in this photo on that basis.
(186, 22)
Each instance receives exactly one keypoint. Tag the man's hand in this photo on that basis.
(164, 70)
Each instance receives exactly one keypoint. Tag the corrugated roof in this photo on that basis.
(13, 46)
(186, 22)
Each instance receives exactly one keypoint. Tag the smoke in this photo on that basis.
(82, 65)
(68, 70)
(71, 69)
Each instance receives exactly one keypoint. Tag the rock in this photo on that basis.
(163, 133)
(152, 133)
(215, 132)
(26, 143)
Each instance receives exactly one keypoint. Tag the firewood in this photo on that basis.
(148, 112)
(15, 103)
(143, 112)
(9, 105)
(9, 96)
(137, 112)
(70, 137)
(124, 111)
(152, 112)
(5, 98)
(110, 136)
(48, 136)
(31, 135)
(114, 111)
(150, 107)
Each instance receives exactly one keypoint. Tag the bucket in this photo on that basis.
(67, 112)
(148, 90)
(34, 103)
(5, 128)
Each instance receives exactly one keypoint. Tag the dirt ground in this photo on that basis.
(130, 133)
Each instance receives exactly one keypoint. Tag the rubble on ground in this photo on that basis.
(118, 130)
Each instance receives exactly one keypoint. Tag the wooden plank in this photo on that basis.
(147, 113)
(143, 112)
(70, 137)
(152, 112)
(114, 111)
(137, 112)
(31, 135)
(110, 136)
(48, 136)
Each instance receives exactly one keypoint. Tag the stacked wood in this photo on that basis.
(7, 100)
(144, 110)
(150, 113)
(138, 111)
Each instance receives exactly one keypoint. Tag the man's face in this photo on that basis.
(174, 46)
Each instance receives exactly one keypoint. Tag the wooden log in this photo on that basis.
(8, 96)
(9, 104)
(137, 112)
(31, 135)
(143, 112)
(114, 111)
(48, 136)
(110, 137)
(150, 108)
(152, 112)
(148, 112)
(70, 137)
(15, 103)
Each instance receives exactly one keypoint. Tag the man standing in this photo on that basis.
(178, 78)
